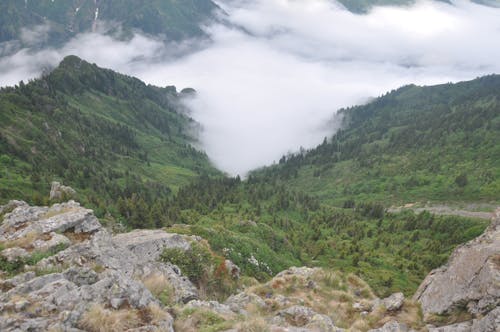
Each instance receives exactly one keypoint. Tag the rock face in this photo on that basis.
(392, 326)
(150, 243)
(96, 268)
(26, 220)
(394, 302)
(58, 191)
(470, 281)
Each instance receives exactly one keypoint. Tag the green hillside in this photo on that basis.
(169, 18)
(127, 151)
(327, 207)
(363, 6)
(108, 135)
(437, 143)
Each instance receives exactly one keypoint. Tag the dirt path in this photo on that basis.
(445, 210)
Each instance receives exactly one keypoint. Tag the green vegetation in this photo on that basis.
(204, 268)
(17, 266)
(327, 206)
(363, 6)
(421, 144)
(194, 263)
(264, 229)
(169, 18)
(120, 143)
(126, 150)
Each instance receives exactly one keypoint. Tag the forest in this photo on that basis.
(126, 147)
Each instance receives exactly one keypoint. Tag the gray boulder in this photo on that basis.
(459, 327)
(149, 244)
(118, 254)
(239, 302)
(471, 277)
(394, 302)
(392, 326)
(11, 205)
(489, 323)
(13, 254)
(221, 309)
(26, 220)
(59, 191)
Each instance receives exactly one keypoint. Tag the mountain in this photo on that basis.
(108, 135)
(329, 206)
(363, 6)
(436, 143)
(55, 21)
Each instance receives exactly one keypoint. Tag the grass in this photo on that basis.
(99, 319)
(160, 287)
(200, 320)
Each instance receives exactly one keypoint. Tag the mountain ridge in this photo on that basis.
(98, 131)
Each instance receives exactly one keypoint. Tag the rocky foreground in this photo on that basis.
(63, 271)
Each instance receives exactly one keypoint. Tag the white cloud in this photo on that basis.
(268, 83)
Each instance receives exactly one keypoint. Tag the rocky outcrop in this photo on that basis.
(96, 268)
(108, 252)
(392, 326)
(26, 221)
(149, 244)
(394, 302)
(304, 318)
(60, 192)
(11, 205)
(470, 281)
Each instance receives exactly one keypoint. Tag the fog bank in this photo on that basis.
(273, 76)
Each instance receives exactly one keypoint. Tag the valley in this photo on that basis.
(128, 203)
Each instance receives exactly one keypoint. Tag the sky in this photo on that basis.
(276, 71)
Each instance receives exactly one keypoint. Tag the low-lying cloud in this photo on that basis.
(275, 74)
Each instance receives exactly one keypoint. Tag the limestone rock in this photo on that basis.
(305, 272)
(232, 269)
(471, 277)
(297, 315)
(459, 327)
(54, 241)
(489, 323)
(221, 309)
(303, 319)
(239, 302)
(394, 302)
(11, 205)
(392, 326)
(106, 252)
(58, 191)
(26, 220)
(149, 244)
(13, 254)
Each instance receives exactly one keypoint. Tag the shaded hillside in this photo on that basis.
(108, 135)
(437, 143)
(172, 19)
(363, 6)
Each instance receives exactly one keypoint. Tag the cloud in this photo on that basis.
(277, 72)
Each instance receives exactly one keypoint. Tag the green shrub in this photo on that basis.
(194, 263)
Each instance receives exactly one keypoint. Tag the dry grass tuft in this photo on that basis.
(156, 283)
(257, 324)
(156, 314)
(100, 319)
(360, 325)
(160, 287)
(25, 242)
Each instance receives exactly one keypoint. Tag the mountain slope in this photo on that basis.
(363, 6)
(172, 19)
(436, 143)
(106, 134)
